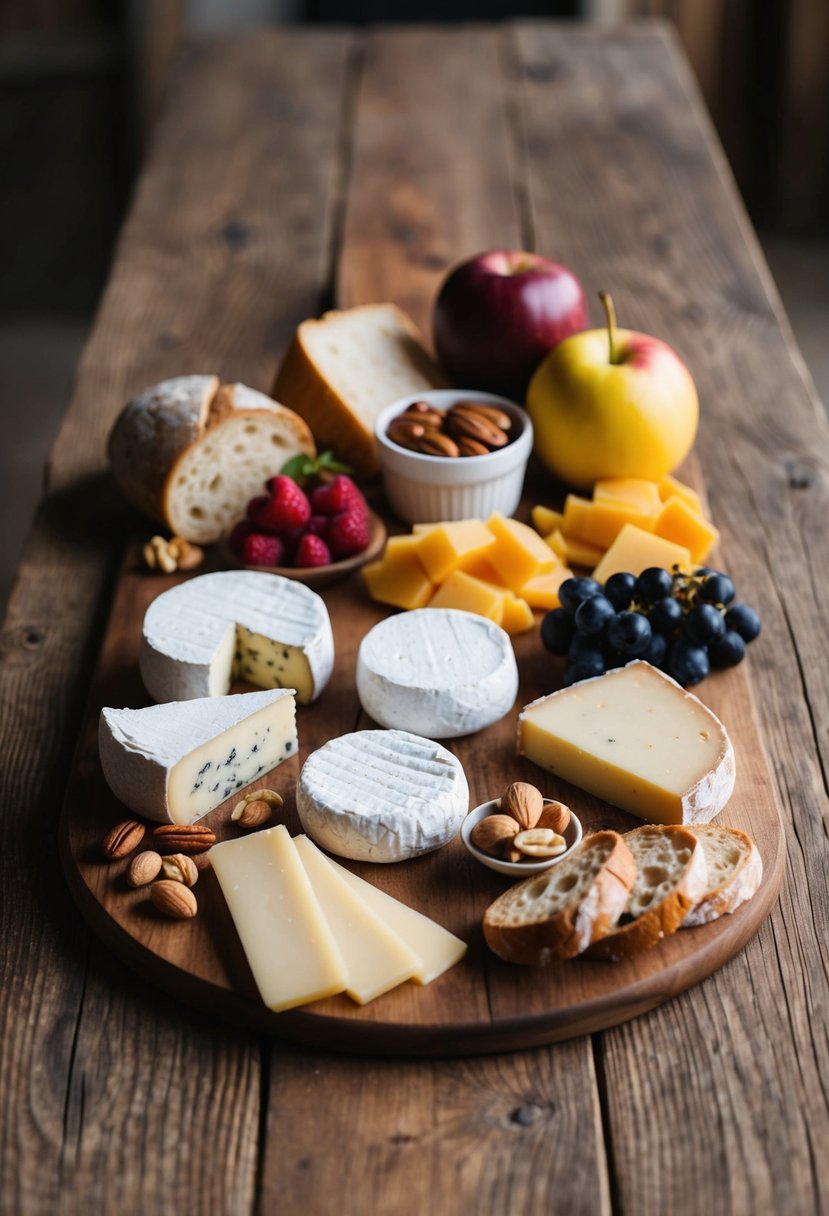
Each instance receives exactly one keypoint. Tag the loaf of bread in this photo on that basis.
(671, 877)
(735, 871)
(342, 370)
(191, 452)
(557, 914)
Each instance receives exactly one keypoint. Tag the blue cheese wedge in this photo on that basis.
(236, 624)
(176, 762)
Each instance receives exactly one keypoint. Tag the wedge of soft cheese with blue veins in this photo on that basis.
(236, 624)
(176, 762)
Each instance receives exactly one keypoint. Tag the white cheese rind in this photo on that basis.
(437, 672)
(190, 643)
(144, 752)
(382, 796)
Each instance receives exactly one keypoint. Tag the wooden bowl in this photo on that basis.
(320, 576)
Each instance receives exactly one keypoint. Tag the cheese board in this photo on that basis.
(480, 1005)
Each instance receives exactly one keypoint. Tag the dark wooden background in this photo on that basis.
(291, 169)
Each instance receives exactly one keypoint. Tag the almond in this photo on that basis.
(493, 833)
(173, 899)
(186, 838)
(179, 868)
(556, 816)
(251, 814)
(143, 869)
(123, 839)
(523, 802)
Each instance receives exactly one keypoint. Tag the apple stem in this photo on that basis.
(610, 312)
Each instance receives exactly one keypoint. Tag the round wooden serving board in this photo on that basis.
(481, 1005)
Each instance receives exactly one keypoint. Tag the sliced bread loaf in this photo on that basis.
(735, 871)
(556, 915)
(191, 453)
(342, 370)
(671, 877)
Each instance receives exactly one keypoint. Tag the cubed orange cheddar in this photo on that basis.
(399, 579)
(471, 595)
(576, 513)
(630, 491)
(479, 566)
(519, 553)
(605, 520)
(442, 549)
(518, 615)
(542, 591)
(677, 522)
(669, 487)
(634, 550)
(574, 552)
(546, 520)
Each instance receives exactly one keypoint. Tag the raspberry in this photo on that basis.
(286, 509)
(337, 496)
(319, 525)
(239, 534)
(349, 533)
(255, 506)
(312, 551)
(261, 550)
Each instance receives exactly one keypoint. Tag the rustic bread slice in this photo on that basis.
(342, 370)
(735, 871)
(191, 453)
(671, 877)
(555, 915)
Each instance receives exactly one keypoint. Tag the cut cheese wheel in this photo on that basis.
(271, 631)
(286, 939)
(735, 871)
(439, 673)
(637, 739)
(177, 762)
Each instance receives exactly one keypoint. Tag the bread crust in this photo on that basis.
(665, 917)
(569, 931)
(739, 888)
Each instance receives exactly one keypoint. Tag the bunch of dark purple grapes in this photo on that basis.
(686, 624)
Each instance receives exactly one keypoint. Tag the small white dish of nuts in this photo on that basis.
(520, 833)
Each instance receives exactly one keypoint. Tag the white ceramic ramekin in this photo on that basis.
(515, 869)
(424, 489)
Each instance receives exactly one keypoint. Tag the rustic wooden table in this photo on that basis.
(297, 168)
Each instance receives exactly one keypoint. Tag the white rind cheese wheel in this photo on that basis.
(271, 631)
(437, 672)
(381, 795)
(177, 762)
(192, 453)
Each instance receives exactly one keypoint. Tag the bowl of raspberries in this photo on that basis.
(311, 523)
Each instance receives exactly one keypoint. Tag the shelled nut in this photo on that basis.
(143, 868)
(123, 839)
(173, 899)
(467, 428)
(186, 838)
(523, 802)
(173, 554)
(179, 868)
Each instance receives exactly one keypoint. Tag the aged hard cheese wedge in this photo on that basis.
(439, 673)
(178, 761)
(202, 634)
(381, 795)
(637, 739)
(286, 939)
(376, 959)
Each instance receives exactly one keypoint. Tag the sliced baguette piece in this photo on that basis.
(343, 369)
(671, 877)
(735, 871)
(557, 914)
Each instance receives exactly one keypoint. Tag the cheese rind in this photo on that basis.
(381, 795)
(286, 939)
(636, 738)
(200, 635)
(439, 673)
(176, 762)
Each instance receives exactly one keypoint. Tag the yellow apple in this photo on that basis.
(612, 403)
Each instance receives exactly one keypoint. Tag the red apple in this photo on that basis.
(498, 314)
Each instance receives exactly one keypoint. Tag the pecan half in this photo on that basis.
(434, 443)
(186, 838)
(491, 413)
(123, 839)
(471, 447)
(474, 426)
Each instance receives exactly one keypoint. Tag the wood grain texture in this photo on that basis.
(647, 209)
(109, 1097)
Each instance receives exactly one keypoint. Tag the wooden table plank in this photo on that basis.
(111, 1100)
(629, 186)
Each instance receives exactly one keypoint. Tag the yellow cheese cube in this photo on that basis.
(632, 491)
(677, 522)
(542, 591)
(634, 550)
(519, 553)
(441, 550)
(470, 595)
(399, 579)
(479, 566)
(576, 513)
(669, 487)
(574, 552)
(605, 520)
(518, 615)
(545, 520)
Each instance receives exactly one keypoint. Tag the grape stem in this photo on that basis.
(610, 313)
